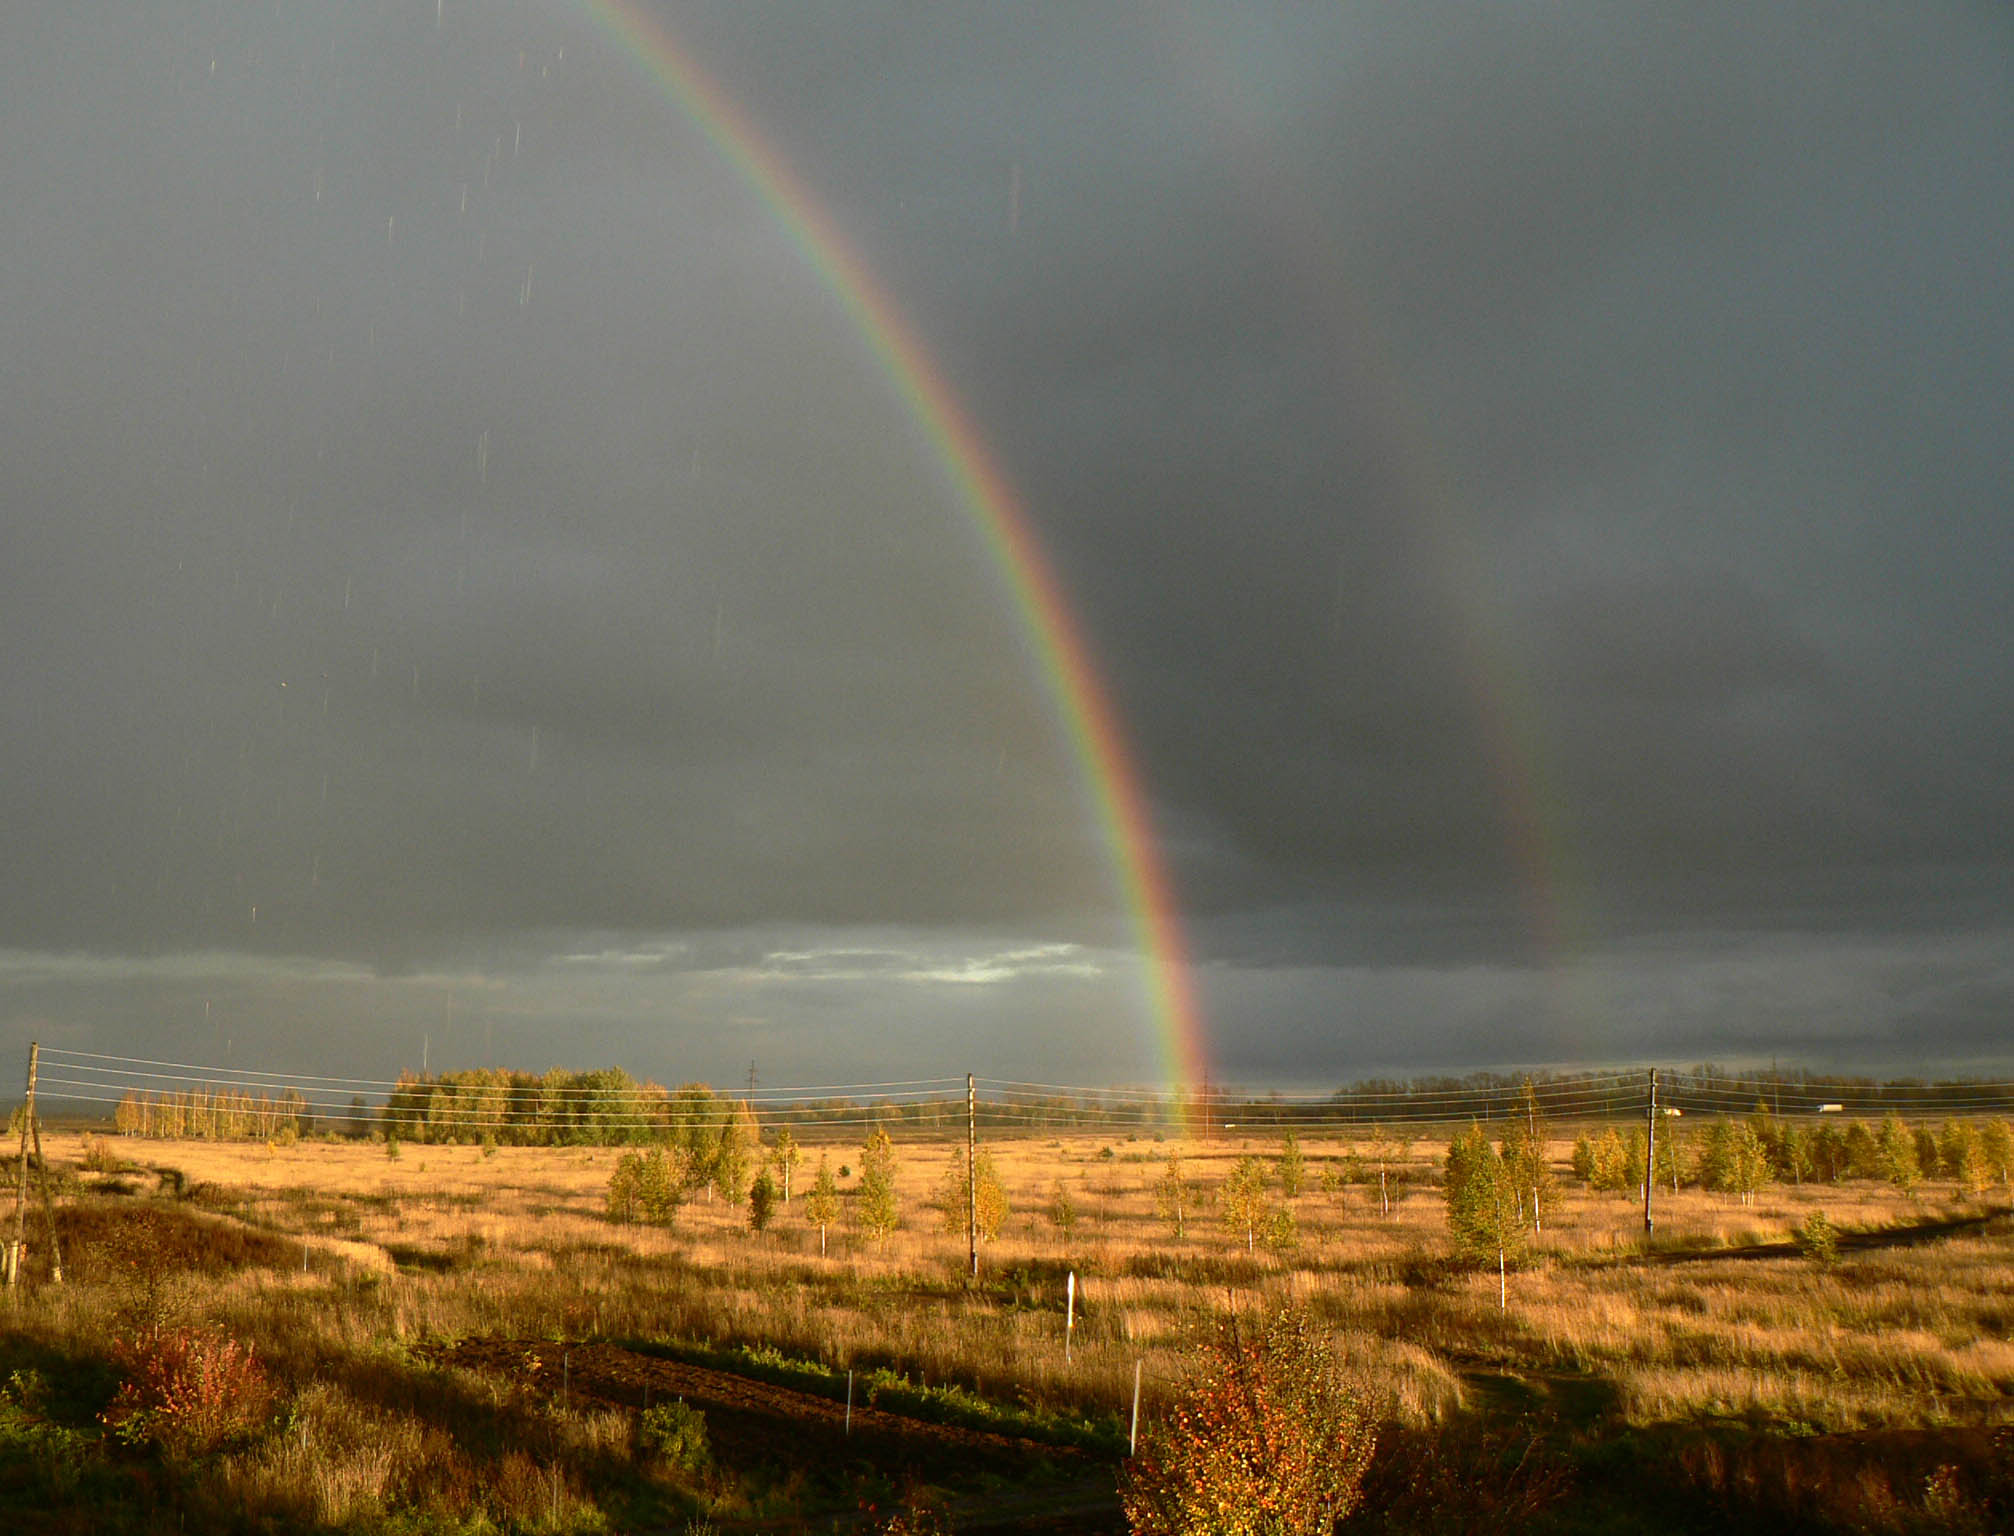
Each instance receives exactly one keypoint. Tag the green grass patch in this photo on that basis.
(894, 1392)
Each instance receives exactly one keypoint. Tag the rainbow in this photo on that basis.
(1532, 808)
(1060, 651)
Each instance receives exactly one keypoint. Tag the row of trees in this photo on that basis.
(558, 1108)
(214, 1114)
(1498, 1197)
(607, 1107)
(733, 1164)
(650, 1184)
(1741, 1157)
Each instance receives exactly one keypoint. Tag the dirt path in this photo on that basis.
(754, 1419)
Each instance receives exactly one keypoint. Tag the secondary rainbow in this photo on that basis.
(1531, 805)
(1047, 622)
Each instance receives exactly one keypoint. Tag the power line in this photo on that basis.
(490, 1099)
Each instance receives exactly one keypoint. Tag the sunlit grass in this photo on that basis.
(448, 1242)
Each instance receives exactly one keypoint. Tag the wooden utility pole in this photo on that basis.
(31, 1129)
(972, 1170)
(21, 1188)
(48, 1205)
(1650, 1152)
(1537, 1151)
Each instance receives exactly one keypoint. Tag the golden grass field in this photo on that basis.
(455, 1242)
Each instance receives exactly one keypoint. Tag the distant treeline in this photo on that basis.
(214, 1114)
(1699, 1090)
(556, 1109)
(608, 1107)
(1704, 1092)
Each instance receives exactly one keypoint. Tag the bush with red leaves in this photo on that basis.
(1265, 1439)
(188, 1390)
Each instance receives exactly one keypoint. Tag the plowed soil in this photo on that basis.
(750, 1421)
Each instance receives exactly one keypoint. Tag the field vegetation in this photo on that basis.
(317, 1334)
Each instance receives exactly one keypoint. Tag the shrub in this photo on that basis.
(1861, 1153)
(1524, 1154)
(1996, 1147)
(1279, 1231)
(1616, 1164)
(1899, 1160)
(915, 1519)
(189, 1390)
(877, 1211)
(1583, 1158)
(785, 1157)
(730, 1159)
(1486, 1212)
(1928, 1155)
(1672, 1149)
(1291, 1169)
(1247, 1207)
(1264, 1439)
(1174, 1196)
(1962, 1156)
(1062, 1209)
(821, 1209)
(646, 1187)
(1734, 1160)
(1827, 1148)
(1386, 1153)
(676, 1434)
(761, 1201)
(955, 1202)
(1819, 1238)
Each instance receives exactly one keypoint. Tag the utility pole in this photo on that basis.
(751, 1080)
(1538, 1152)
(30, 1127)
(1650, 1152)
(14, 1249)
(48, 1205)
(971, 1170)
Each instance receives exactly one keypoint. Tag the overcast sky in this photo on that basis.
(1537, 482)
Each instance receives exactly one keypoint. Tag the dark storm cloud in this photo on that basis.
(1529, 478)
(554, 562)
(1638, 379)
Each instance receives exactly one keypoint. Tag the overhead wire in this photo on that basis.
(281, 1078)
(521, 1102)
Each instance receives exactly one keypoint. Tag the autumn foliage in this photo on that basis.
(190, 1390)
(1265, 1439)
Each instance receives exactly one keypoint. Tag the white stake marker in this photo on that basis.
(1069, 1314)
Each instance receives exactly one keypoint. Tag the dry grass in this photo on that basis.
(449, 1242)
(341, 1266)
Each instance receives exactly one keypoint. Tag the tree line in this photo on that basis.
(215, 1114)
(1740, 1157)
